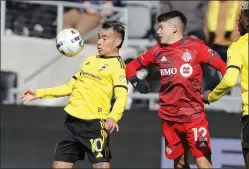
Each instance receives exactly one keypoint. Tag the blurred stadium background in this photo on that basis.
(29, 59)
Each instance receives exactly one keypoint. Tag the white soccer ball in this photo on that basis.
(69, 42)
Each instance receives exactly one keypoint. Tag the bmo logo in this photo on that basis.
(169, 71)
(186, 70)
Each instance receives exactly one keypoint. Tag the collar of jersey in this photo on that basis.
(179, 42)
(107, 57)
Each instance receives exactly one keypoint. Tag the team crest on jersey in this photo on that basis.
(104, 66)
(186, 56)
(99, 109)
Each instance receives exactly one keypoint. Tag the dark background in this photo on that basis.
(29, 135)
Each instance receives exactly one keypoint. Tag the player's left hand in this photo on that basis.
(205, 96)
(140, 85)
(111, 124)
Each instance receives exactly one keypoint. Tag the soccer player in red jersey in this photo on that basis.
(178, 59)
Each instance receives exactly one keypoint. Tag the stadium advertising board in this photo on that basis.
(29, 135)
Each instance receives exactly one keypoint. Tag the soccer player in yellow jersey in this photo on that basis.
(237, 64)
(90, 118)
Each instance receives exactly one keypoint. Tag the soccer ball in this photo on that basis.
(69, 42)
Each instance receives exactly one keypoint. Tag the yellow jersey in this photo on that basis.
(99, 80)
(237, 63)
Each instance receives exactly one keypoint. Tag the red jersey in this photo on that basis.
(181, 76)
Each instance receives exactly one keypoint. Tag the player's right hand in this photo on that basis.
(140, 85)
(28, 95)
(111, 124)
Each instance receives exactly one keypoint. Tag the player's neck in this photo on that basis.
(111, 54)
(176, 39)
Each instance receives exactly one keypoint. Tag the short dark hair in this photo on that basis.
(173, 14)
(117, 27)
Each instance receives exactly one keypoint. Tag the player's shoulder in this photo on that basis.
(241, 40)
(87, 60)
(91, 57)
(195, 41)
(154, 50)
(235, 45)
(156, 47)
(234, 50)
(118, 62)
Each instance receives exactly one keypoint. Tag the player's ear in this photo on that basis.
(175, 28)
(118, 42)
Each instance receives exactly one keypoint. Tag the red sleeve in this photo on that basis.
(207, 55)
(141, 62)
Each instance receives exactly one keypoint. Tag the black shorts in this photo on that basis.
(245, 132)
(81, 137)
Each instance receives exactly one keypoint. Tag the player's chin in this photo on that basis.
(159, 40)
(101, 52)
(162, 42)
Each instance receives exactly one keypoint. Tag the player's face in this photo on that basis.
(108, 42)
(243, 24)
(165, 32)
